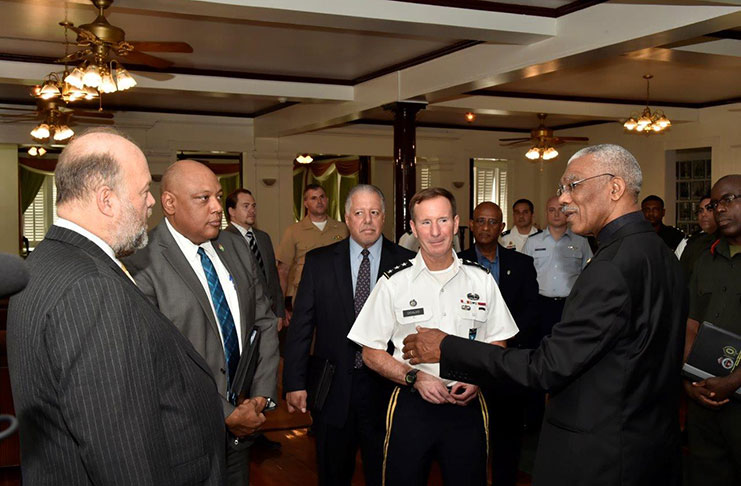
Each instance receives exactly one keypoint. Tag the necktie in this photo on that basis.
(226, 321)
(256, 251)
(362, 291)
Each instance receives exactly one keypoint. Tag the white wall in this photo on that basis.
(9, 210)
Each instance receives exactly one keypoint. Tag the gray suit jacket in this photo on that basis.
(271, 282)
(106, 389)
(162, 272)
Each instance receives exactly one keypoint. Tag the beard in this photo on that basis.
(132, 232)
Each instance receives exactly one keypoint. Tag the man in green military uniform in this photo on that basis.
(714, 418)
(315, 230)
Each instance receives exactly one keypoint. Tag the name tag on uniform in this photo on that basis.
(539, 249)
(413, 312)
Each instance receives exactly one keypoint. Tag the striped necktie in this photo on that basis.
(252, 242)
(226, 321)
(362, 291)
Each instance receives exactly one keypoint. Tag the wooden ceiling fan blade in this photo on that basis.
(528, 141)
(574, 139)
(148, 46)
(137, 57)
(32, 109)
(513, 139)
(92, 114)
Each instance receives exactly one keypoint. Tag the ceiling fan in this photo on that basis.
(543, 141)
(99, 40)
(55, 119)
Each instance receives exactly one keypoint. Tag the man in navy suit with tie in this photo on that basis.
(335, 283)
(515, 274)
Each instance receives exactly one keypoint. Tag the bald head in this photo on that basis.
(191, 200)
(487, 224)
(92, 160)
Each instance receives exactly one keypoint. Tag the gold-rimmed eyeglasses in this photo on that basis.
(564, 188)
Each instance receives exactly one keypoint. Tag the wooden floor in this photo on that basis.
(295, 463)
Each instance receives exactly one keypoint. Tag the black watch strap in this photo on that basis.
(411, 378)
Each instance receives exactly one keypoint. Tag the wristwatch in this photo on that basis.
(411, 377)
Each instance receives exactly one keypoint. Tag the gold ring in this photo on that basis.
(411, 353)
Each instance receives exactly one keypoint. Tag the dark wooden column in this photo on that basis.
(405, 152)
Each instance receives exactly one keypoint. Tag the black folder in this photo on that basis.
(318, 382)
(715, 352)
(250, 353)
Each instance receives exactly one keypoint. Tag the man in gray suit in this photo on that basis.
(206, 283)
(241, 212)
(106, 389)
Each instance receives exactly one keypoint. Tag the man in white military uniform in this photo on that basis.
(515, 238)
(430, 418)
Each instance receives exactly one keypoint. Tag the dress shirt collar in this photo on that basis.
(242, 230)
(480, 256)
(189, 249)
(616, 224)
(374, 249)
(420, 266)
(548, 234)
(67, 224)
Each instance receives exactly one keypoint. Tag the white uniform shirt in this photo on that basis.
(190, 251)
(512, 239)
(467, 305)
(557, 263)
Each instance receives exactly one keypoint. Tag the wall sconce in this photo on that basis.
(269, 181)
(458, 184)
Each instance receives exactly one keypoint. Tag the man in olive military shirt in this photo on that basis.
(315, 230)
(713, 418)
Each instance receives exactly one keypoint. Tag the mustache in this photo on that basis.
(569, 209)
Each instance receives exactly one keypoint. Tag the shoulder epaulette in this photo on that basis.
(536, 233)
(505, 233)
(474, 264)
(397, 269)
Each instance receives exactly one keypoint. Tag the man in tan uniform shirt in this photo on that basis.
(315, 230)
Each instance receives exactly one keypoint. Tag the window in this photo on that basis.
(490, 183)
(425, 177)
(42, 212)
(693, 177)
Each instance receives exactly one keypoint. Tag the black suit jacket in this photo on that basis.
(518, 284)
(612, 366)
(324, 302)
(106, 389)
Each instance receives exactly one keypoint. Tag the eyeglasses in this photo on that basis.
(725, 201)
(564, 188)
(490, 221)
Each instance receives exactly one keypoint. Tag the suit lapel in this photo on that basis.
(174, 256)
(343, 275)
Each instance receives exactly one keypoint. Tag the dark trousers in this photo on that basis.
(419, 432)
(336, 447)
(715, 444)
(237, 463)
(506, 414)
(550, 310)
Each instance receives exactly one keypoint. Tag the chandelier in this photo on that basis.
(647, 122)
(54, 86)
(542, 151)
(97, 74)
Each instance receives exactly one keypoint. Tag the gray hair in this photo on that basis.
(80, 169)
(364, 188)
(618, 161)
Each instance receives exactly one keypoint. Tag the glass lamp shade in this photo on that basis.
(630, 124)
(92, 76)
(550, 153)
(63, 132)
(124, 80)
(40, 132)
(533, 153)
(75, 78)
(664, 122)
(107, 85)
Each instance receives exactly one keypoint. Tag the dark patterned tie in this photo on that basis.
(362, 291)
(256, 251)
(226, 321)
